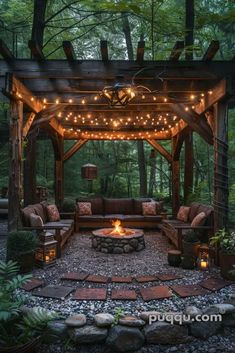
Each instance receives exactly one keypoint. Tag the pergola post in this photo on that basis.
(30, 171)
(175, 171)
(221, 189)
(188, 165)
(59, 172)
(15, 170)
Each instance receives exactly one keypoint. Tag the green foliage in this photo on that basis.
(118, 313)
(225, 240)
(21, 242)
(68, 205)
(191, 237)
(16, 327)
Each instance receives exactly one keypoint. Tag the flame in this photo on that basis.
(118, 229)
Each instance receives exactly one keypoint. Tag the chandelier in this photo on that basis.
(119, 95)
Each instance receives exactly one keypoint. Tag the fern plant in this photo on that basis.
(17, 328)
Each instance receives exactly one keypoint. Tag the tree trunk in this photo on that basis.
(30, 171)
(127, 32)
(189, 27)
(188, 166)
(152, 176)
(39, 21)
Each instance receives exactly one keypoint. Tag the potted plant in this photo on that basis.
(19, 332)
(225, 242)
(21, 246)
(191, 244)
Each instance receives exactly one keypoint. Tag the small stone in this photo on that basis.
(134, 243)
(88, 334)
(164, 333)
(103, 319)
(117, 250)
(192, 311)
(229, 320)
(146, 314)
(78, 320)
(125, 339)
(56, 330)
(225, 308)
(104, 250)
(205, 329)
(127, 248)
(140, 247)
(131, 321)
(94, 243)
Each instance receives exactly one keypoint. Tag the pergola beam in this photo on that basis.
(177, 50)
(36, 51)
(116, 135)
(15, 89)
(5, 51)
(179, 140)
(211, 50)
(104, 50)
(54, 123)
(28, 125)
(140, 51)
(72, 150)
(197, 122)
(160, 149)
(69, 50)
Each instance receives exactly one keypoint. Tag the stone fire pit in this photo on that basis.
(103, 240)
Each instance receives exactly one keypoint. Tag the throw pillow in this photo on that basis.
(199, 220)
(35, 221)
(149, 208)
(183, 213)
(53, 213)
(84, 208)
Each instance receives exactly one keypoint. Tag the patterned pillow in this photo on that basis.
(183, 213)
(84, 208)
(35, 221)
(149, 208)
(199, 220)
(53, 213)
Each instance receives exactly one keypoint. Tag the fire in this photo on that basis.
(118, 229)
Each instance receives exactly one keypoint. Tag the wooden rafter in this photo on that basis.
(28, 125)
(36, 51)
(5, 51)
(197, 122)
(211, 50)
(140, 51)
(15, 89)
(179, 140)
(160, 149)
(54, 123)
(104, 50)
(72, 150)
(116, 135)
(69, 50)
(177, 50)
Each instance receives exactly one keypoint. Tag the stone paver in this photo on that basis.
(143, 279)
(90, 294)
(32, 284)
(75, 276)
(55, 292)
(189, 290)
(156, 292)
(97, 279)
(123, 294)
(168, 277)
(117, 279)
(214, 284)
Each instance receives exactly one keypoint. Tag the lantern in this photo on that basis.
(89, 171)
(203, 257)
(119, 95)
(46, 253)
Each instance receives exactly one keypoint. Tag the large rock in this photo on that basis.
(103, 320)
(131, 321)
(224, 308)
(164, 333)
(144, 315)
(192, 311)
(117, 250)
(78, 320)
(203, 330)
(56, 330)
(125, 339)
(88, 334)
(229, 320)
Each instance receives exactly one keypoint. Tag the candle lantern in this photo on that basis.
(203, 257)
(89, 172)
(45, 255)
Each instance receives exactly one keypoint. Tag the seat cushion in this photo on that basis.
(156, 218)
(84, 208)
(54, 224)
(40, 211)
(199, 220)
(35, 220)
(67, 221)
(114, 216)
(53, 213)
(175, 222)
(193, 211)
(133, 218)
(91, 218)
(26, 212)
(96, 204)
(149, 208)
(137, 205)
(183, 213)
(209, 211)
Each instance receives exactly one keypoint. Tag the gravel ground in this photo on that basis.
(79, 256)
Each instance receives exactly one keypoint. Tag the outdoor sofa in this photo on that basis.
(175, 229)
(128, 210)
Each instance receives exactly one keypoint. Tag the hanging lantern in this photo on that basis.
(203, 257)
(89, 171)
(46, 253)
(119, 95)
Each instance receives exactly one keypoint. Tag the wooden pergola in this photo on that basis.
(64, 98)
